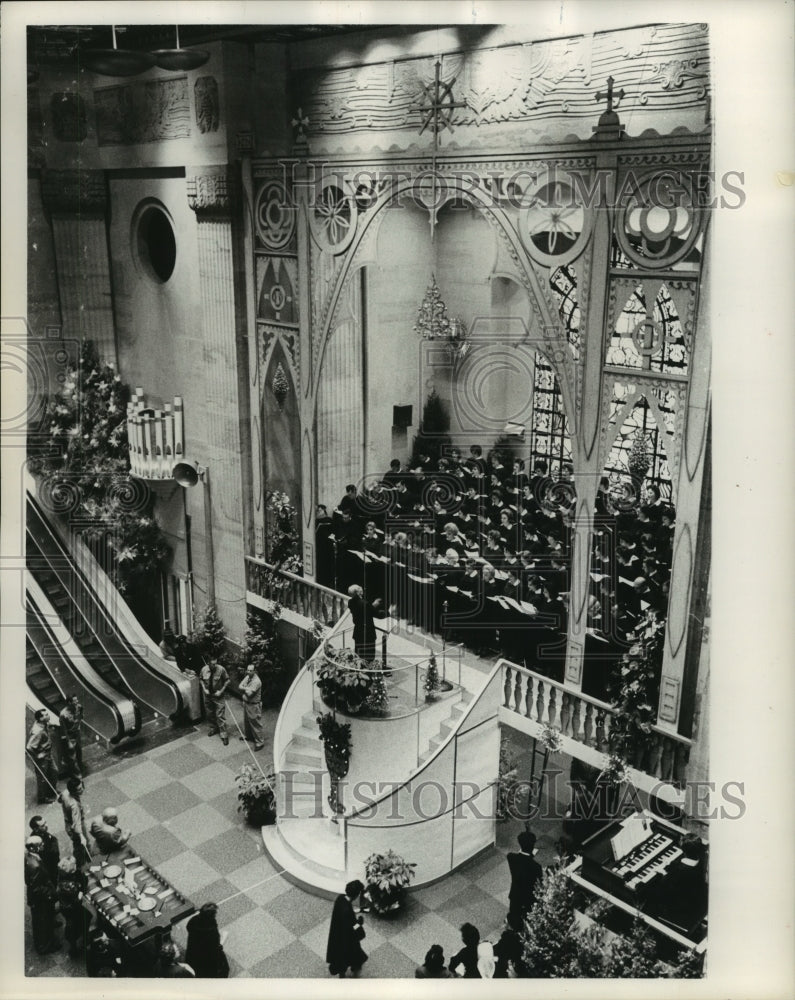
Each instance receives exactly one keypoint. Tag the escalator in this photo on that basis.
(55, 669)
(157, 688)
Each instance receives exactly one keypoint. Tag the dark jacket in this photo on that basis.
(525, 874)
(205, 953)
(344, 950)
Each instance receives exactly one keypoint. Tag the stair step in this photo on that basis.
(306, 737)
(466, 696)
(302, 757)
(309, 875)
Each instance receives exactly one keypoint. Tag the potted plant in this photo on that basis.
(255, 796)
(386, 878)
(342, 679)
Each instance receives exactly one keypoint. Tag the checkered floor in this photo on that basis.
(179, 799)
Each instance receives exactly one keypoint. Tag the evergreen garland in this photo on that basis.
(336, 737)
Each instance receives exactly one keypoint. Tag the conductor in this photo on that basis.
(363, 612)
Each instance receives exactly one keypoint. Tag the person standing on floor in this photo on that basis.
(50, 849)
(74, 819)
(70, 719)
(107, 833)
(205, 951)
(344, 950)
(214, 681)
(465, 962)
(70, 889)
(39, 746)
(40, 898)
(525, 875)
(251, 692)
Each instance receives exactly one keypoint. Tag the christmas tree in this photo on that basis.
(85, 469)
(431, 684)
(549, 944)
(433, 321)
(262, 648)
(377, 700)
(211, 634)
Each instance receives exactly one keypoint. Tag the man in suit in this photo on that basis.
(214, 681)
(363, 615)
(107, 833)
(40, 898)
(70, 718)
(526, 873)
(50, 853)
(39, 746)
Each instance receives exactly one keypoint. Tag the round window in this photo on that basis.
(157, 247)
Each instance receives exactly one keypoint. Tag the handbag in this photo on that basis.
(360, 932)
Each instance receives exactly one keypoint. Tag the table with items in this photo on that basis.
(132, 899)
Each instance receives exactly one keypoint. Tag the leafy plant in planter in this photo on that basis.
(343, 681)
(255, 795)
(387, 877)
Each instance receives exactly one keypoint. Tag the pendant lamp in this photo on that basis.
(180, 58)
(115, 61)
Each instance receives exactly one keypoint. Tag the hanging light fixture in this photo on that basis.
(115, 61)
(179, 58)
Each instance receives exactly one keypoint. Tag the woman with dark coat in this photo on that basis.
(344, 950)
(205, 951)
(465, 963)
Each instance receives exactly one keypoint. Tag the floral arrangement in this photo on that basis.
(433, 321)
(255, 795)
(387, 876)
(431, 684)
(282, 534)
(615, 771)
(633, 691)
(551, 739)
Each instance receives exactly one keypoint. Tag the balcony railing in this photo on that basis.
(529, 697)
(294, 592)
(587, 720)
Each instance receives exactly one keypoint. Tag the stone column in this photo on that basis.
(77, 202)
(585, 424)
(686, 607)
(210, 197)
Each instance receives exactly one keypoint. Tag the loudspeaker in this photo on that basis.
(401, 416)
(186, 473)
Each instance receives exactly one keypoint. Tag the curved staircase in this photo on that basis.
(320, 852)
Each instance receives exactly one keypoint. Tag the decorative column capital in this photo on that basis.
(74, 192)
(210, 194)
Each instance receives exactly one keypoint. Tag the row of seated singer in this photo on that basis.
(483, 558)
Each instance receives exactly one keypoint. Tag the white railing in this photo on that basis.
(156, 437)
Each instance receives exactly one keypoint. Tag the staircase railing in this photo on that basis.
(303, 596)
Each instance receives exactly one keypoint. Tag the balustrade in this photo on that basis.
(588, 721)
(300, 595)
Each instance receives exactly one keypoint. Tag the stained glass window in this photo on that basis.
(649, 342)
(640, 423)
(550, 436)
(563, 283)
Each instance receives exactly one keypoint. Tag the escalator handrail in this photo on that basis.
(125, 711)
(175, 695)
(125, 623)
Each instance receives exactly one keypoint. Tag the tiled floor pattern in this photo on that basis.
(180, 801)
